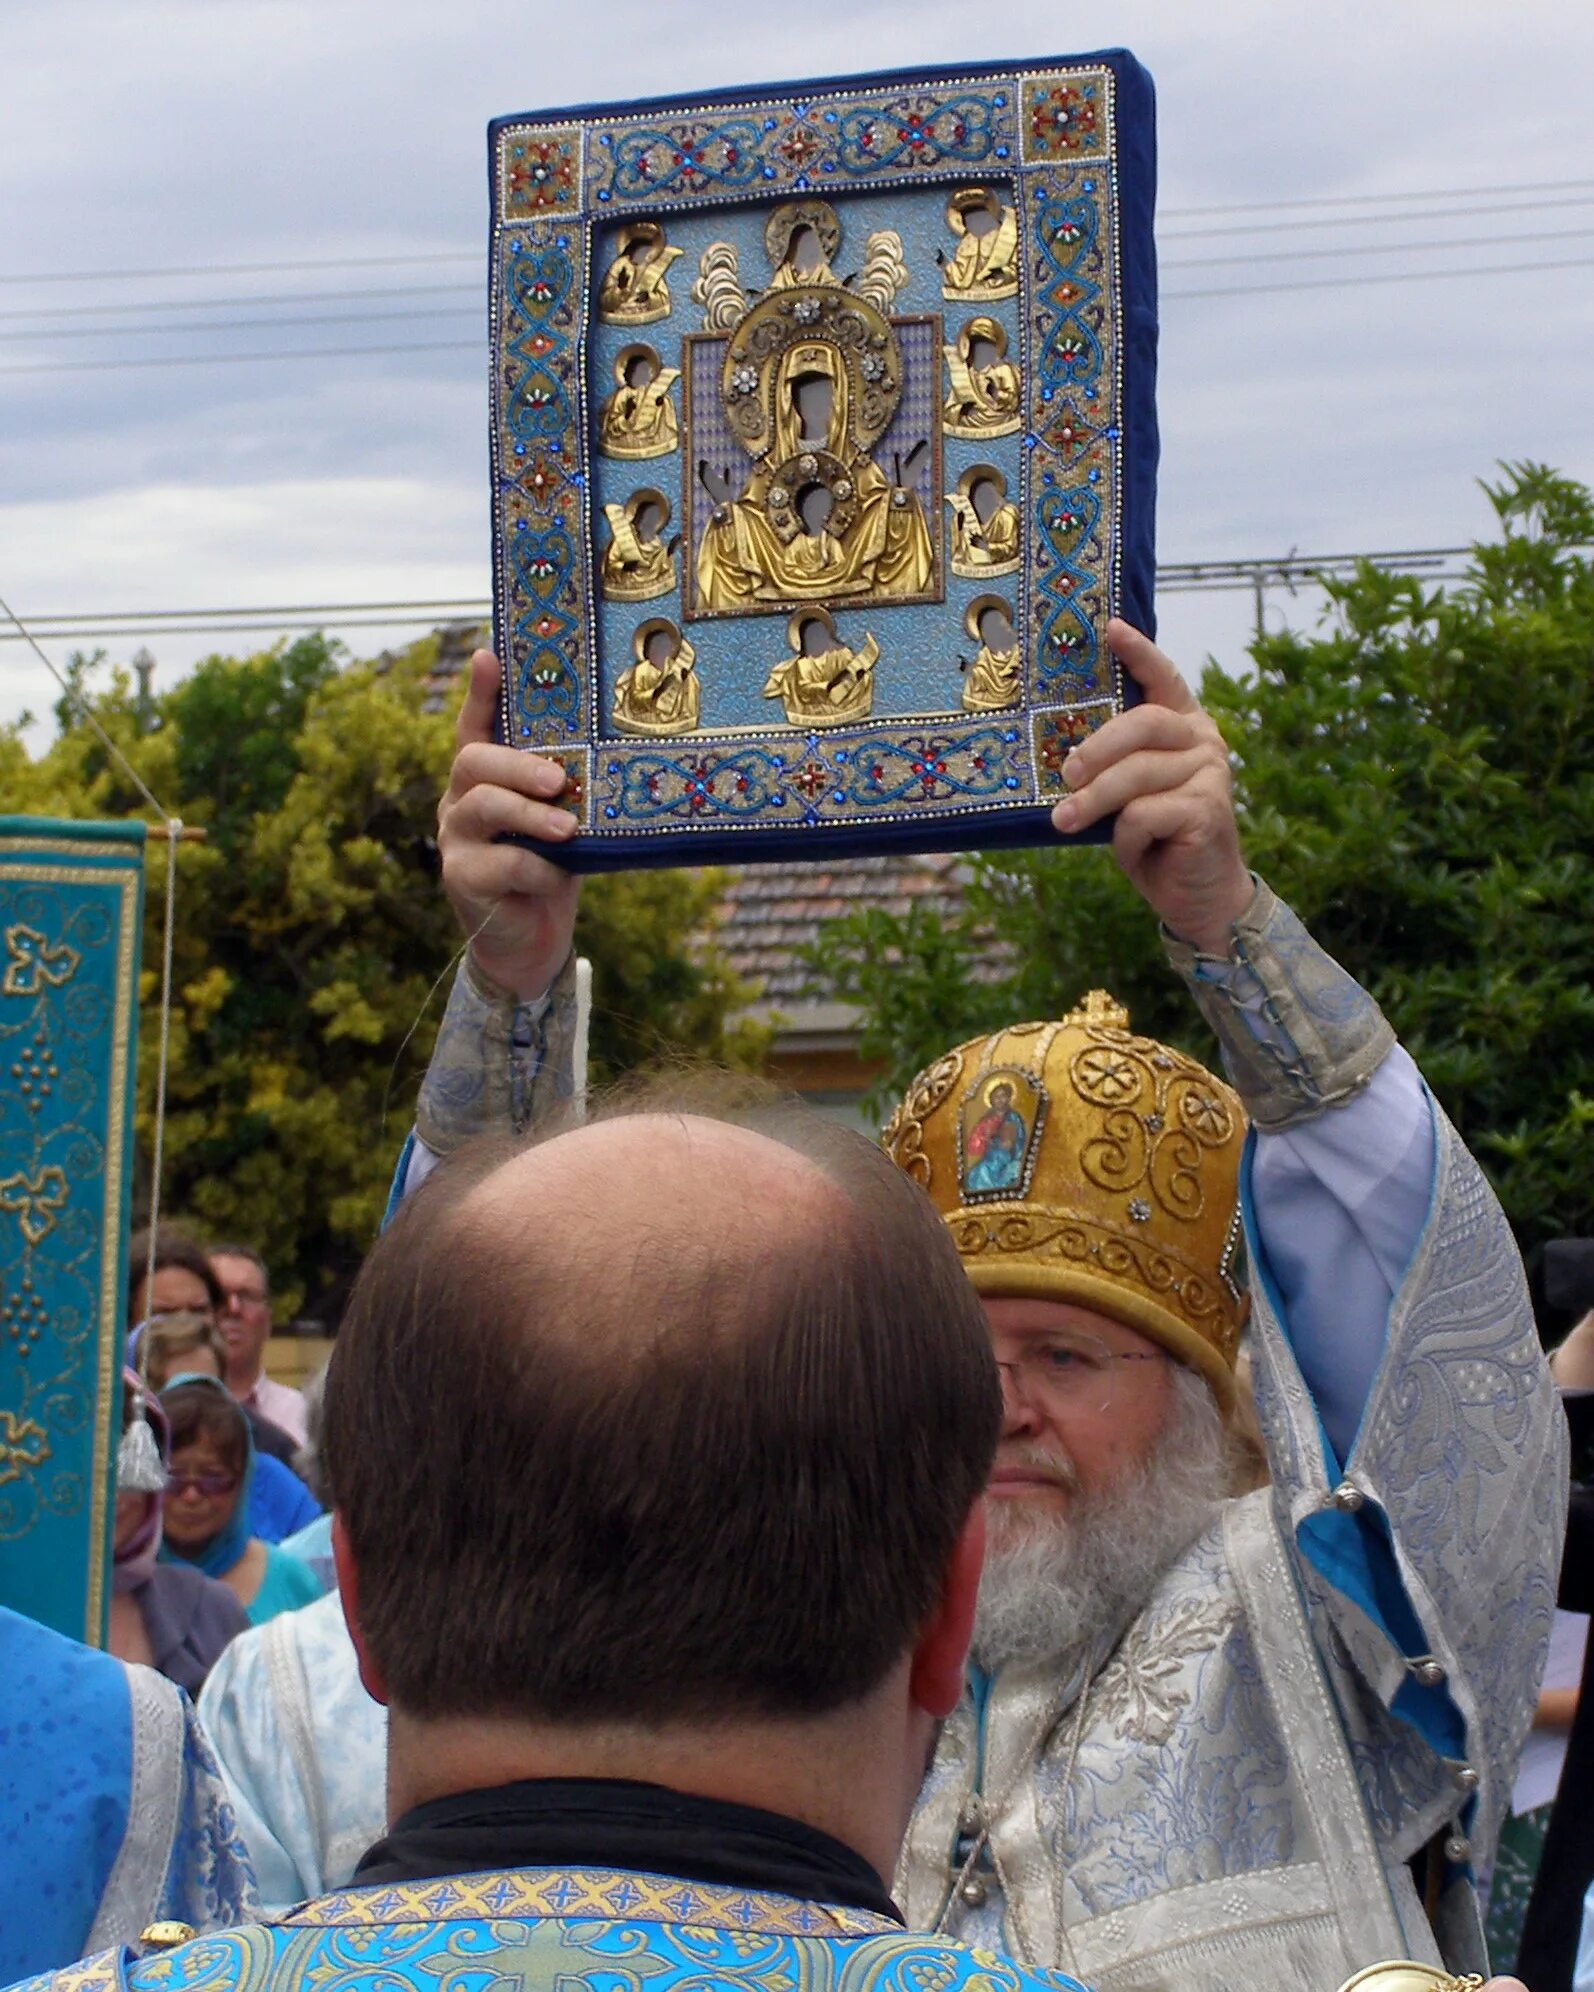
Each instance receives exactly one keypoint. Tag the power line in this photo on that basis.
(1368, 200)
(1356, 281)
(1173, 577)
(241, 269)
(38, 334)
(1380, 220)
(229, 303)
(473, 291)
(1372, 277)
(85, 276)
(243, 359)
(1362, 249)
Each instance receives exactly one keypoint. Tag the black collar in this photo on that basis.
(615, 1823)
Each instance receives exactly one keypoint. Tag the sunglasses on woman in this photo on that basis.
(201, 1483)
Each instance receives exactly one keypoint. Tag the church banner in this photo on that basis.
(823, 447)
(71, 900)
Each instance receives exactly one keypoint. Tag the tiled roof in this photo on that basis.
(772, 912)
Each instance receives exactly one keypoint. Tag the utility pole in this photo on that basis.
(144, 671)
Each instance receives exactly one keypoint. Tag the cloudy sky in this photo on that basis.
(197, 138)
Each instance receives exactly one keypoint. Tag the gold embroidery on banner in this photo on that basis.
(37, 1200)
(24, 1445)
(35, 963)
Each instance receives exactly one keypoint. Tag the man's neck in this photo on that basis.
(243, 1381)
(838, 1774)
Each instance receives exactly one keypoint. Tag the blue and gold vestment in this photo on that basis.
(541, 1928)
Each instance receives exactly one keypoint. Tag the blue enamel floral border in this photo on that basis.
(1074, 139)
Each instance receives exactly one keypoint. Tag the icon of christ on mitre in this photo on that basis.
(811, 380)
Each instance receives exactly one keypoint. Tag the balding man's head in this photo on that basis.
(677, 1412)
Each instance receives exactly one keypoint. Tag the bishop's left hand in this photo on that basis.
(1164, 768)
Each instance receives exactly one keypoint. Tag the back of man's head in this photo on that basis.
(667, 1417)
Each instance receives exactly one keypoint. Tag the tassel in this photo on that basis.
(138, 1460)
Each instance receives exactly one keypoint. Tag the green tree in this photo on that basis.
(312, 940)
(1417, 779)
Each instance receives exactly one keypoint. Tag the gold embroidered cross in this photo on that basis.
(34, 963)
(35, 1199)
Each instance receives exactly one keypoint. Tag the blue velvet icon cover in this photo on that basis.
(823, 446)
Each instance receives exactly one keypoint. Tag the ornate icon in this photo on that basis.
(999, 1124)
(982, 397)
(822, 682)
(992, 680)
(811, 379)
(984, 266)
(634, 289)
(985, 531)
(660, 693)
(638, 419)
(637, 563)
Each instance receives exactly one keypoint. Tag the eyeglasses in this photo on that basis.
(244, 1297)
(1071, 1372)
(201, 1483)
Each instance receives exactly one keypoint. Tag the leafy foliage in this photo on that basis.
(1417, 780)
(313, 939)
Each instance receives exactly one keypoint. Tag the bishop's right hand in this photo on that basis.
(518, 909)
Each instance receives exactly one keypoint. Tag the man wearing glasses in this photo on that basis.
(1210, 1737)
(245, 1324)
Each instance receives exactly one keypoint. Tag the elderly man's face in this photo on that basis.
(1084, 1400)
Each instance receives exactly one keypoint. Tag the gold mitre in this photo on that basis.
(1075, 1161)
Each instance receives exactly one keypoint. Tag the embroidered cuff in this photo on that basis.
(1315, 1036)
(497, 1062)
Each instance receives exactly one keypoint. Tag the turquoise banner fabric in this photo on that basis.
(71, 899)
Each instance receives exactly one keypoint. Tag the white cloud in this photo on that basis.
(181, 132)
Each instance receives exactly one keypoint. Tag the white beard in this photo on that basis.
(1052, 1582)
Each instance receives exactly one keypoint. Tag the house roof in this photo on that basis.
(772, 913)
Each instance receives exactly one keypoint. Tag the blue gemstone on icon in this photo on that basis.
(610, 811)
(603, 193)
(1001, 152)
(778, 800)
(1000, 102)
(769, 172)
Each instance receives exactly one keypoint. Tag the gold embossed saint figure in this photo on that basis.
(984, 266)
(637, 562)
(634, 290)
(823, 683)
(811, 380)
(660, 693)
(982, 396)
(638, 419)
(985, 530)
(992, 680)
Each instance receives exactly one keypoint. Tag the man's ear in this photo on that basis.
(936, 1677)
(349, 1596)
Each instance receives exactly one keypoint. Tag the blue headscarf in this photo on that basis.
(218, 1555)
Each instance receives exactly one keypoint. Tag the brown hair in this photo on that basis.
(749, 1510)
(172, 1248)
(201, 1411)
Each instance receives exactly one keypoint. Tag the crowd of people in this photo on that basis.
(1105, 1534)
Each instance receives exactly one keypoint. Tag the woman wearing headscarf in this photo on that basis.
(187, 1342)
(207, 1502)
(169, 1616)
